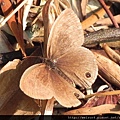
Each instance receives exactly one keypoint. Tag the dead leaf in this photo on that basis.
(107, 21)
(12, 100)
(102, 109)
(15, 22)
(48, 20)
(115, 44)
(93, 18)
(64, 4)
(83, 7)
(108, 69)
(100, 99)
(111, 53)
(76, 6)
(20, 104)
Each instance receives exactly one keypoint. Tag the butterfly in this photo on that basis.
(67, 64)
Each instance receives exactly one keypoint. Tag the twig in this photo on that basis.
(109, 13)
(109, 85)
(99, 94)
(49, 107)
(102, 36)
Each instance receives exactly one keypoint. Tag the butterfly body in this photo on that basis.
(50, 63)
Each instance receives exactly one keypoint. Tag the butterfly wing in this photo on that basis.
(65, 93)
(64, 47)
(40, 82)
(80, 65)
(65, 33)
(36, 83)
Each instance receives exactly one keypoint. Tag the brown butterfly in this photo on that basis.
(67, 63)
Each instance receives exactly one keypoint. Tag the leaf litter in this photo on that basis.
(11, 73)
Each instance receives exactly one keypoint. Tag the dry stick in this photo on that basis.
(43, 106)
(102, 36)
(115, 92)
(107, 49)
(109, 85)
(109, 13)
(49, 107)
(35, 20)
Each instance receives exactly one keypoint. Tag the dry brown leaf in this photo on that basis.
(103, 97)
(12, 100)
(111, 53)
(20, 104)
(102, 109)
(115, 44)
(64, 4)
(15, 26)
(76, 6)
(93, 18)
(108, 69)
(48, 20)
(83, 7)
(107, 21)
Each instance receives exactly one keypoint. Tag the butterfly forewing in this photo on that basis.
(36, 83)
(65, 34)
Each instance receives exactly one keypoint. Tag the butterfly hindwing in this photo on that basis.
(36, 83)
(80, 65)
(65, 92)
(40, 82)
